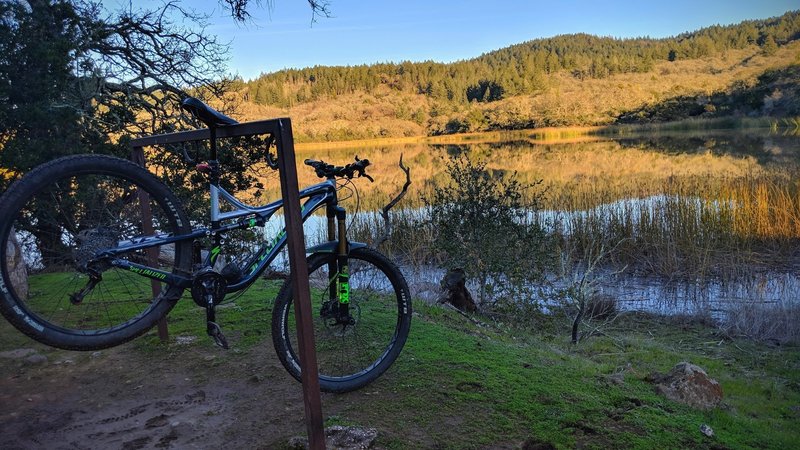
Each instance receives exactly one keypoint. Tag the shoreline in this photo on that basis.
(565, 135)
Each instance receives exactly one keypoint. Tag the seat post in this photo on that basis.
(215, 170)
(213, 131)
(214, 180)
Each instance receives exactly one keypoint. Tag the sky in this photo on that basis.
(369, 31)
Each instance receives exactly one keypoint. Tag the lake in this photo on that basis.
(697, 220)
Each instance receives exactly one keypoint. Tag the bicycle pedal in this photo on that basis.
(215, 332)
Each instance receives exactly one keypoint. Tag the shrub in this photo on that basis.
(484, 222)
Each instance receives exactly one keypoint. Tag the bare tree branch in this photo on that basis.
(387, 230)
(239, 9)
(144, 60)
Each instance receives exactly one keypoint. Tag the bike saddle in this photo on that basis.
(206, 114)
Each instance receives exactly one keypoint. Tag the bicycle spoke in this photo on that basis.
(353, 349)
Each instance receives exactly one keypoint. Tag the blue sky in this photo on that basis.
(368, 31)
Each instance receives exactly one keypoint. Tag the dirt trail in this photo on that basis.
(173, 397)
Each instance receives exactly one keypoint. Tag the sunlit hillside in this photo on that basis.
(597, 81)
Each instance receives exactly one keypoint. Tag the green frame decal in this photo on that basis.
(343, 289)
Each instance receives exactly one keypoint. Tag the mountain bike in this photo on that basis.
(84, 269)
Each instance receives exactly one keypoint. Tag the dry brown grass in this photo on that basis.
(383, 113)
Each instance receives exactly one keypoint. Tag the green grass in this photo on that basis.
(245, 319)
(505, 386)
(459, 385)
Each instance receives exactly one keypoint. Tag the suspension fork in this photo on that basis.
(339, 289)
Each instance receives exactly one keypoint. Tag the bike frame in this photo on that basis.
(242, 217)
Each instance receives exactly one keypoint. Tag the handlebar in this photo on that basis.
(325, 170)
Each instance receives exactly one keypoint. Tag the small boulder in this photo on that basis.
(601, 307)
(617, 378)
(688, 384)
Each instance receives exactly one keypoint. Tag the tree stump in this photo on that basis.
(455, 292)
(17, 272)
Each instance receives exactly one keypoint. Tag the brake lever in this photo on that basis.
(362, 169)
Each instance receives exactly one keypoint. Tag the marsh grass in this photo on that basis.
(726, 231)
(774, 323)
(691, 228)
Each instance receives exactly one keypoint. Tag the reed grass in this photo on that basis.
(728, 230)
(703, 209)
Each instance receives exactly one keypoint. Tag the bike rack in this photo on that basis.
(287, 170)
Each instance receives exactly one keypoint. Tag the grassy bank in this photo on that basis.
(460, 385)
(536, 388)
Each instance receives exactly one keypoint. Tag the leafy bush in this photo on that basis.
(484, 222)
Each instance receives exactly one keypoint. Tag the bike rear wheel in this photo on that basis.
(54, 223)
(348, 356)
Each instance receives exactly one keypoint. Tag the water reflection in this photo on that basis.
(587, 175)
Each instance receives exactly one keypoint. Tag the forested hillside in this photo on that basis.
(564, 80)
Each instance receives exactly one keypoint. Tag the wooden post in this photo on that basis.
(300, 290)
(137, 156)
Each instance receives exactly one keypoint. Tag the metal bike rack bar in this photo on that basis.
(287, 169)
(137, 156)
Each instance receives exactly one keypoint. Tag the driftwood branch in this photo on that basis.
(387, 230)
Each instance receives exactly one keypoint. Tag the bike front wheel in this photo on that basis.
(57, 221)
(352, 355)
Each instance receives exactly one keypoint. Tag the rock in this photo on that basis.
(705, 429)
(338, 437)
(298, 443)
(17, 273)
(350, 437)
(688, 384)
(455, 292)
